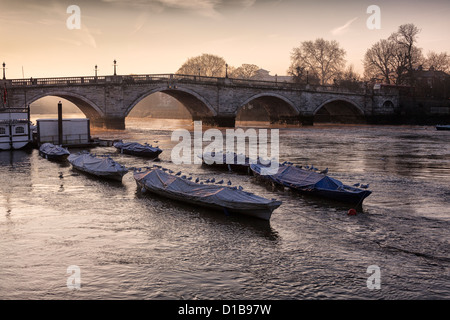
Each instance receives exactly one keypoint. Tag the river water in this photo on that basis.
(133, 246)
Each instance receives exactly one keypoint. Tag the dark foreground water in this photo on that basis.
(133, 246)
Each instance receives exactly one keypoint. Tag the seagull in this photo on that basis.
(220, 182)
(190, 178)
(324, 171)
(208, 181)
(365, 186)
(170, 171)
(229, 182)
(357, 185)
(183, 177)
(178, 173)
(197, 180)
(213, 180)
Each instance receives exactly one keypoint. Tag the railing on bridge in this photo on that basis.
(179, 78)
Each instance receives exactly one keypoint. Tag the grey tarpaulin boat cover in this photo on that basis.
(294, 177)
(211, 195)
(137, 147)
(52, 149)
(100, 165)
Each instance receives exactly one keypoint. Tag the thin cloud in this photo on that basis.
(343, 29)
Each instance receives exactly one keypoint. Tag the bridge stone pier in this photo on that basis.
(107, 100)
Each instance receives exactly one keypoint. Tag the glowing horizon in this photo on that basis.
(158, 36)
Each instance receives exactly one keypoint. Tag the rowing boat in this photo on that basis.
(224, 198)
(99, 166)
(137, 149)
(53, 152)
(312, 183)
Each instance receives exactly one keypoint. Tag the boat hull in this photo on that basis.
(140, 154)
(54, 157)
(108, 176)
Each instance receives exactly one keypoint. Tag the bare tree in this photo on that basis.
(245, 71)
(439, 61)
(407, 56)
(204, 65)
(379, 60)
(320, 58)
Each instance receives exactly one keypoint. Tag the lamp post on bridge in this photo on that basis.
(115, 65)
(96, 68)
(226, 70)
(4, 68)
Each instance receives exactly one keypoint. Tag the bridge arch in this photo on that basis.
(340, 109)
(276, 106)
(88, 107)
(196, 104)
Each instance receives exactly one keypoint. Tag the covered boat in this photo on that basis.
(442, 127)
(313, 183)
(228, 161)
(100, 166)
(52, 152)
(137, 149)
(225, 198)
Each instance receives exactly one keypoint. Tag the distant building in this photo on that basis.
(430, 76)
(264, 75)
(431, 83)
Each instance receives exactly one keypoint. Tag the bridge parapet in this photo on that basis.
(174, 79)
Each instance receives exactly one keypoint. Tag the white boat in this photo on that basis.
(15, 130)
(213, 196)
(99, 166)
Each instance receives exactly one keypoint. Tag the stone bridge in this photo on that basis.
(107, 100)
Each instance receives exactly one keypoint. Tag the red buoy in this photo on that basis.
(352, 212)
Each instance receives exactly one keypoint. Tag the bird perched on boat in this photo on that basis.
(190, 178)
(240, 188)
(229, 182)
(213, 180)
(356, 185)
(324, 171)
(197, 180)
(178, 173)
(170, 171)
(220, 182)
(208, 181)
(364, 186)
(165, 169)
(183, 177)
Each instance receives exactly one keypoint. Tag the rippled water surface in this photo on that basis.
(133, 246)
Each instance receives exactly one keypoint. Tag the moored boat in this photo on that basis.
(224, 198)
(312, 183)
(53, 152)
(137, 149)
(15, 130)
(100, 166)
(228, 161)
(442, 127)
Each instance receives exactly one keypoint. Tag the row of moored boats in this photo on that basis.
(210, 194)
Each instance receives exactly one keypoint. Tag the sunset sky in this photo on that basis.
(157, 36)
